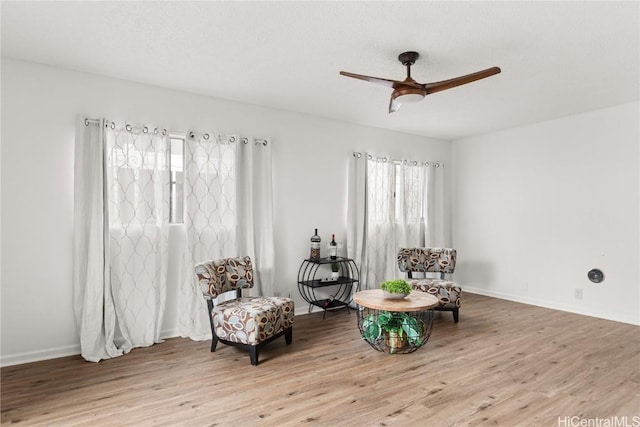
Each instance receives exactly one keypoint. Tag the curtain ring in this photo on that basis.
(384, 160)
(206, 136)
(155, 131)
(264, 142)
(192, 135)
(86, 122)
(145, 129)
(164, 131)
(244, 140)
(232, 139)
(437, 165)
(128, 127)
(369, 156)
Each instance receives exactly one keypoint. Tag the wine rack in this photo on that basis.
(332, 294)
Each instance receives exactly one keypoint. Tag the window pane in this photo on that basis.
(414, 191)
(380, 191)
(177, 180)
(397, 175)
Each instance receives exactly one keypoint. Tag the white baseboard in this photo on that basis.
(616, 317)
(54, 353)
(302, 311)
(36, 356)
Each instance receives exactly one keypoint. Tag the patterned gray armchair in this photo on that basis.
(433, 260)
(248, 322)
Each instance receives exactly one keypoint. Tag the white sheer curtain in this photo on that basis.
(382, 229)
(255, 211)
(210, 212)
(120, 236)
(228, 212)
(392, 204)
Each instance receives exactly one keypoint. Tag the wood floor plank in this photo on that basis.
(504, 363)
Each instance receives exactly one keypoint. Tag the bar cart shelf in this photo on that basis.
(328, 295)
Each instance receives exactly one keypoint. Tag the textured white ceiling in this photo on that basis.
(557, 58)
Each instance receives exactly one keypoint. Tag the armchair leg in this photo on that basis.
(288, 335)
(214, 338)
(253, 354)
(455, 314)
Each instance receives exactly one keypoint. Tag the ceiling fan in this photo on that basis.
(408, 90)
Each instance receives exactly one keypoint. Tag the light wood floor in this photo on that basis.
(504, 364)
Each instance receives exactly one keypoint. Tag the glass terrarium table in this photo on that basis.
(395, 325)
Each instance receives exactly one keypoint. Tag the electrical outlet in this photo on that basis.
(578, 293)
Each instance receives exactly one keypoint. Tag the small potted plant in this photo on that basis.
(395, 289)
(397, 330)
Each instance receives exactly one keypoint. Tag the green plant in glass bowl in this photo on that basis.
(398, 330)
(395, 289)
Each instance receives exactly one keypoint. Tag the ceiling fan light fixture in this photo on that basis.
(408, 95)
(410, 98)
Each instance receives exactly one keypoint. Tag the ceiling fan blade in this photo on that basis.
(458, 81)
(393, 105)
(377, 80)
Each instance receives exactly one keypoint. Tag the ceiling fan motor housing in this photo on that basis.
(408, 93)
(408, 58)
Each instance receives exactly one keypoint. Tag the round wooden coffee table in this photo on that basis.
(395, 325)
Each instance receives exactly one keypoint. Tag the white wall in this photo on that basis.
(39, 105)
(536, 207)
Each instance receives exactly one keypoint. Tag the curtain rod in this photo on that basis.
(231, 138)
(256, 141)
(128, 127)
(245, 140)
(206, 136)
(358, 155)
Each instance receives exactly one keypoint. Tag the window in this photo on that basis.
(396, 191)
(410, 179)
(176, 213)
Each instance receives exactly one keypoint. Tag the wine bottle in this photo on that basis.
(328, 301)
(315, 246)
(333, 247)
